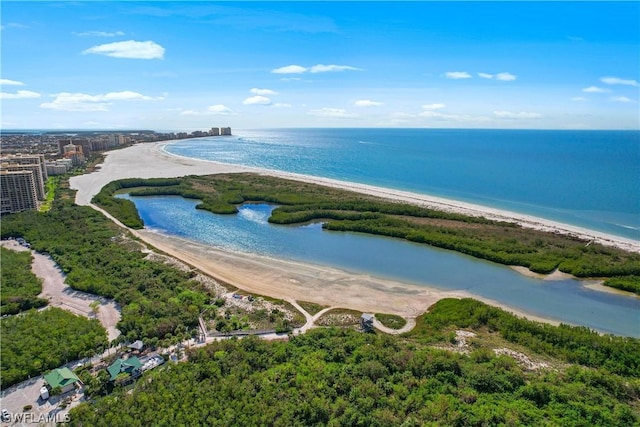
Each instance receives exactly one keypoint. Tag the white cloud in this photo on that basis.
(457, 118)
(99, 34)
(219, 109)
(433, 106)
(126, 95)
(290, 69)
(257, 100)
(281, 105)
(367, 103)
(456, 75)
(505, 77)
(257, 91)
(21, 94)
(431, 113)
(288, 79)
(332, 113)
(618, 81)
(83, 102)
(130, 49)
(595, 89)
(212, 110)
(578, 98)
(13, 25)
(7, 82)
(321, 68)
(622, 99)
(520, 115)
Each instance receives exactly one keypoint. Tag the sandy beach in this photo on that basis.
(293, 280)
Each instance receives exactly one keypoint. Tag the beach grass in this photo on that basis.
(340, 317)
(392, 321)
(311, 307)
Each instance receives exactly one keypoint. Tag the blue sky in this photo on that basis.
(193, 65)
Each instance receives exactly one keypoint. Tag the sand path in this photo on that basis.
(61, 295)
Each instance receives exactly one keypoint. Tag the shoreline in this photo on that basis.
(331, 286)
(150, 160)
(290, 279)
(440, 203)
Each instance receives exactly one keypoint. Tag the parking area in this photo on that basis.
(151, 362)
(16, 401)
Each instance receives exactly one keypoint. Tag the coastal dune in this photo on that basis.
(295, 280)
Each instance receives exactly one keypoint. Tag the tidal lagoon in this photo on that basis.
(566, 300)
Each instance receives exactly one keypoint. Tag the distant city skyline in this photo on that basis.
(184, 66)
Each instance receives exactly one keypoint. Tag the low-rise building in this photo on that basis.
(63, 378)
(130, 366)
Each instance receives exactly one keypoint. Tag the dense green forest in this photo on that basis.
(158, 301)
(340, 210)
(36, 341)
(20, 287)
(574, 344)
(341, 377)
(326, 377)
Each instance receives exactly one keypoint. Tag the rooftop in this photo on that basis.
(120, 365)
(61, 377)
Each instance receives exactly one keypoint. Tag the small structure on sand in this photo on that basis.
(366, 322)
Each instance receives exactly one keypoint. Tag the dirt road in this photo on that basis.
(61, 295)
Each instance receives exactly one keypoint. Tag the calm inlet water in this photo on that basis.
(590, 179)
(567, 300)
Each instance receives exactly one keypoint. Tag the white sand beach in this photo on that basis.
(150, 161)
(293, 280)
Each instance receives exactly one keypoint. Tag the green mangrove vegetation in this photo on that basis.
(572, 344)
(157, 300)
(36, 341)
(340, 210)
(20, 287)
(340, 377)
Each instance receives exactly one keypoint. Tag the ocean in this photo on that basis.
(589, 179)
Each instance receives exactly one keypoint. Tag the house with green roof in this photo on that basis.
(63, 378)
(129, 366)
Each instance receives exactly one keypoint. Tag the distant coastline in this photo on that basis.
(583, 179)
(152, 161)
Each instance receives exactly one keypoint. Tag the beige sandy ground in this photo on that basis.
(293, 280)
(61, 295)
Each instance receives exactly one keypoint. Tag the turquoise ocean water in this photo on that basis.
(589, 179)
